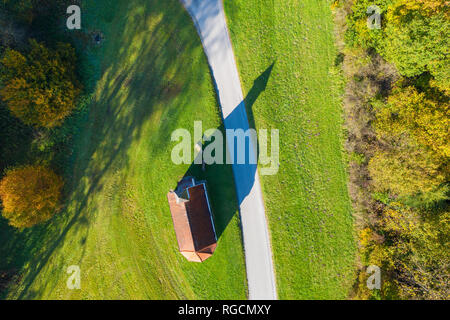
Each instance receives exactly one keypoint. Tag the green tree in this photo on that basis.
(22, 9)
(417, 39)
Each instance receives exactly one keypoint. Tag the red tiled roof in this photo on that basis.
(193, 223)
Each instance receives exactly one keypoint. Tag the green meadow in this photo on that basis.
(307, 202)
(147, 78)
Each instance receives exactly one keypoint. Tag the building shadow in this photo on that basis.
(242, 118)
(259, 85)
(226, 196)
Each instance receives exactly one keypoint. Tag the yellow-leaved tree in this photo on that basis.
(424, 118)
(30, 195)
(40, 87)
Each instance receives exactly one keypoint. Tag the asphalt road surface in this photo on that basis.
(209, 18)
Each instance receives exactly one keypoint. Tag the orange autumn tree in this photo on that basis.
(425, 118)
(30, 195)
(40, 87)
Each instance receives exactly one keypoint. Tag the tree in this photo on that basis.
(40, 88)
(428, 7)
(417, 37)
(416, 251)
(405, 170)
(30, 195)
(424, 117)
(412, 254)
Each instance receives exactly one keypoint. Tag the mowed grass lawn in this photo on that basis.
(149, 77)
(307, 202)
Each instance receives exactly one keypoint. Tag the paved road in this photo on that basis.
(209, 18)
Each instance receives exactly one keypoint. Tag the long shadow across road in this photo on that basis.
(209, 18)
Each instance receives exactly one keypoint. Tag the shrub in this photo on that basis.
(30, 195)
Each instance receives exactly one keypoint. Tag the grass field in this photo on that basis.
(148, 78)
(307, 202)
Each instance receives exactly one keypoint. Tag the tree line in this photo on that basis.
(39, 90)
(397, 117)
